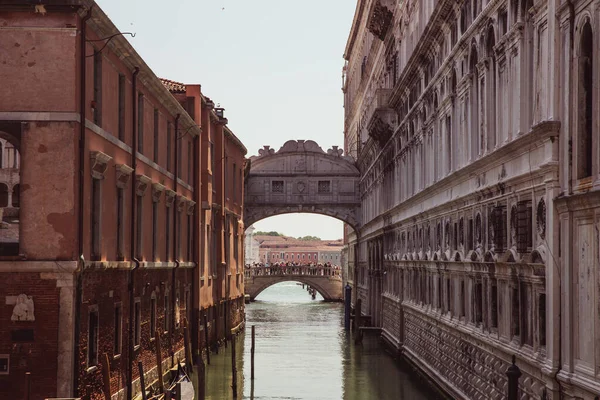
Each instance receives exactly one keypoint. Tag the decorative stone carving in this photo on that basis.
(380, 20)
(181, 202)
(541, 219)
(157, 190)
(23, 309)
(301, 186)
(141, 184)
(335, 151)
(169, 197)
(191, 207)
(266, 151)
(99, 164)
(123, 175)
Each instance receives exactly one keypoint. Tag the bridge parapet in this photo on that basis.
(325, 280)
(292, 270)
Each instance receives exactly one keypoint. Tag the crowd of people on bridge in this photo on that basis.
(293, 268)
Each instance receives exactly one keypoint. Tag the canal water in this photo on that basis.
(303, 353)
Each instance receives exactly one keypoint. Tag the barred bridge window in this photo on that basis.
(277, 186)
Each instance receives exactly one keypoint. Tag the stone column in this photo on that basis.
(10, 196)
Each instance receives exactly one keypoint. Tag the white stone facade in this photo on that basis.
(251, 247)
(475, 128)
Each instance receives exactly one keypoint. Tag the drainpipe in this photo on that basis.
(175, 238)
(130, 367)
(196, 254)
(173, 299)
(79, 271)
(131, 288)
(570, 61)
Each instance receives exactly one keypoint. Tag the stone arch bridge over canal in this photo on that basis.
(302, 178)
(325, 280)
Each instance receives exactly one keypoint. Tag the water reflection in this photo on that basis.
(302, 352)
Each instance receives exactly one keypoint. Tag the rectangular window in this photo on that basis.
(137, 318)
(463, 298)
(448, 296)
(277, 186)
(179, 152)
(120, 225)
(153, 317)
(324, 187)
(92, 358)
(169, 156)
(140, 225)
(121, 107)
(470, 234)
(448, 144)
(97, 88)
(96, 208)
(155, 153)
(190, 240)
(212, 157)
(118, 329)
(542, 319)
(494, 305)
(478, 302)
(140, 124)
(524, 226)
(154, 230)
(167, 313)
(190, 161)
(234, 183)
(516, 321)
(168, 234)
(178, 216)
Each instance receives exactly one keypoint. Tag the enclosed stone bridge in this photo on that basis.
(302, 178)
(325, 280)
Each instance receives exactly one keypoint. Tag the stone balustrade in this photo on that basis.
(293, 270)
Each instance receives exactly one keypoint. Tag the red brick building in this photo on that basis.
(129, 205)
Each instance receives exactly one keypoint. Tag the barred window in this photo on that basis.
(324, 187)
(277, 186)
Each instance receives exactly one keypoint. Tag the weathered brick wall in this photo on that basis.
(37, 356)
(105, 288)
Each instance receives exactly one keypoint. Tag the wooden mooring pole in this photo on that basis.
(28, 385)
(207, 344)
(233, 368)
(357, 320)
(142, 380)
(161, 383)
(252, 354)
(201, 378)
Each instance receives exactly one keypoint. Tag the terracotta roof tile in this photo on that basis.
(172, 86)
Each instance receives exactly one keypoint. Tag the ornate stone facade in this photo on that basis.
(301, 177)
(474, 125)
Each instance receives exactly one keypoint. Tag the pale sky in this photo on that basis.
(274, 65)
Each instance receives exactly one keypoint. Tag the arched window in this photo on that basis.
(474, 117)
(491, 81)
(585, 103)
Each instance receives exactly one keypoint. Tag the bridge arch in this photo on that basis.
(325, 293)
(302, 178)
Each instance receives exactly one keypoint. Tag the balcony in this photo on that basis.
(383, 119)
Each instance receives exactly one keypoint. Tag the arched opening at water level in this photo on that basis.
(303, 248)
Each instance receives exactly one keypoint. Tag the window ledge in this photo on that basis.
(152, 339)
(136, 347)
(117, 357)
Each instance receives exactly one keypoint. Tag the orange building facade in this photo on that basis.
(128, 225)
